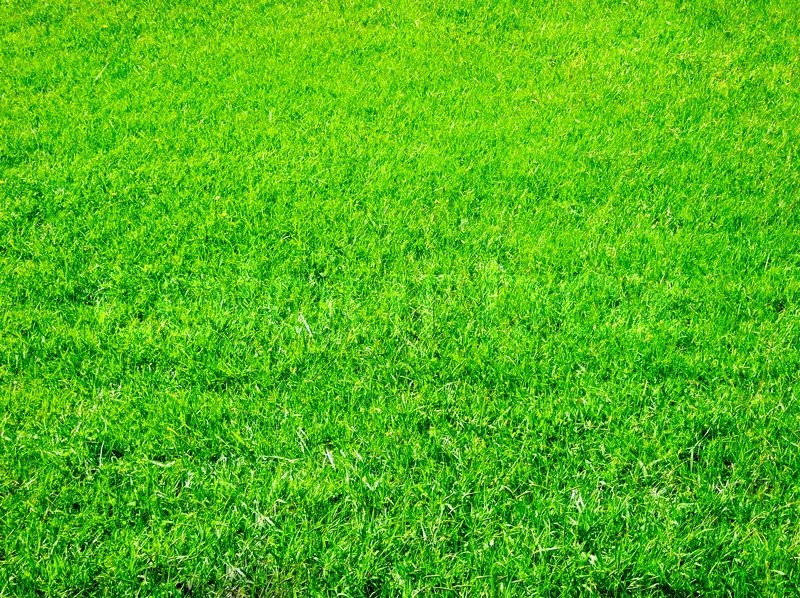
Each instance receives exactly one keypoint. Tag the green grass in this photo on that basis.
(399, 298)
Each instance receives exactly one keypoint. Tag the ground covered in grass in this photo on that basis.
(385, 297)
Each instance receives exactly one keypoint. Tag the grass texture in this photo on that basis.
(399, 298)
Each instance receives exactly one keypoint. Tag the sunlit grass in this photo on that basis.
(392, 298)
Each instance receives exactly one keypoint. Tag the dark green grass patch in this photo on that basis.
(367, 298)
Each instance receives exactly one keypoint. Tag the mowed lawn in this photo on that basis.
(372, 298)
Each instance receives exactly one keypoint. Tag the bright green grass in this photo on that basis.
(399, 297)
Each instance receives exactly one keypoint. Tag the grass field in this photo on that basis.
(394, 298)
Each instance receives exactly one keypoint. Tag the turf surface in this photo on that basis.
(477, 298)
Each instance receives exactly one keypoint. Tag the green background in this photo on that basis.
(475, 298)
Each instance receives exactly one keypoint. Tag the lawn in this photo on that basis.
(371, 298)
